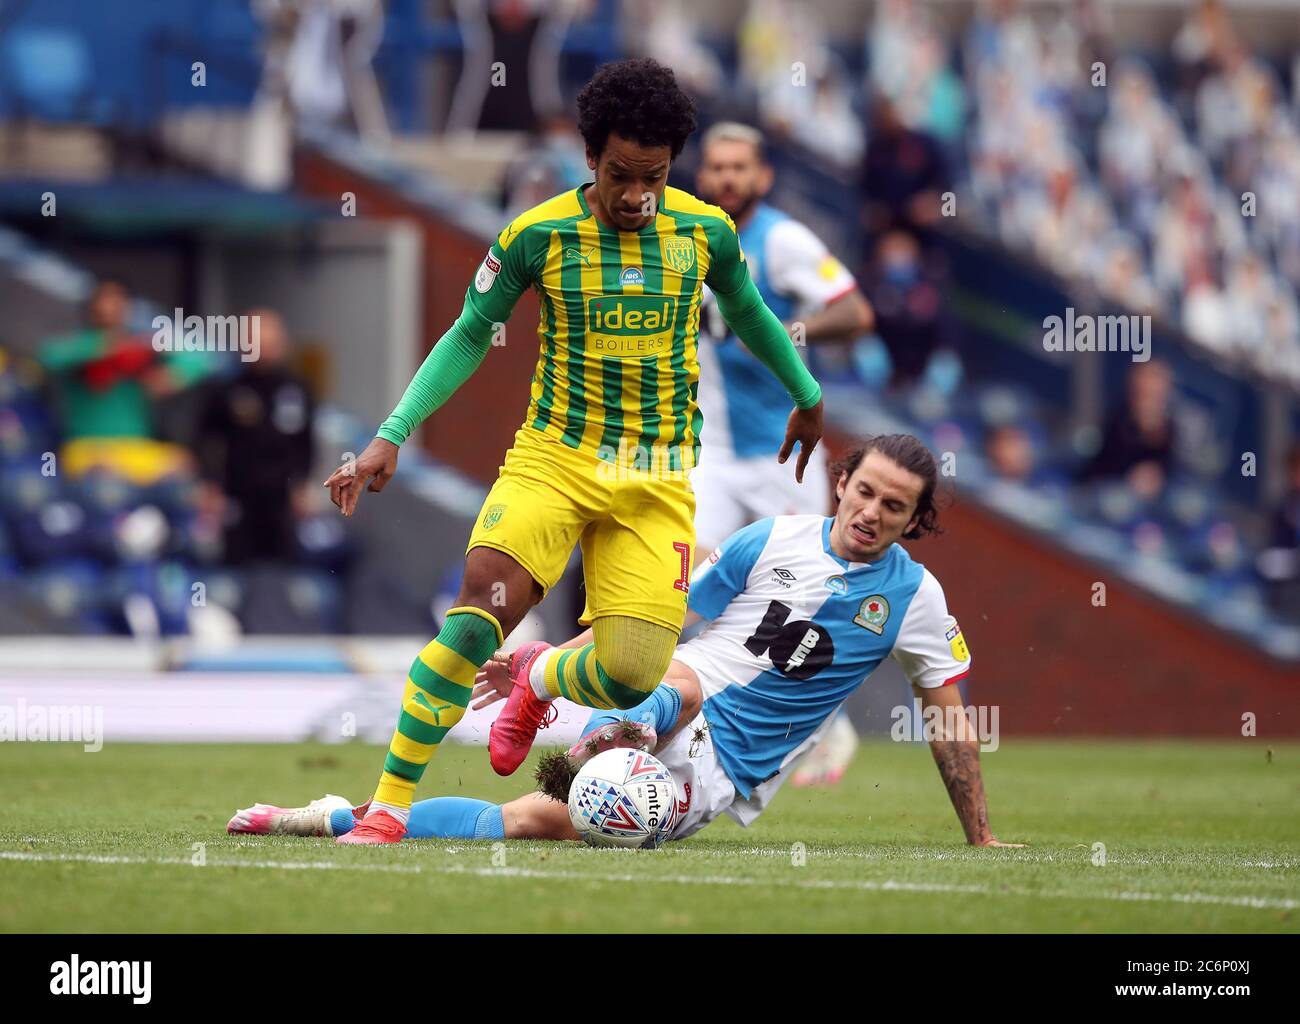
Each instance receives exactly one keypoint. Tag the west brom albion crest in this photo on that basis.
(873, 614)
(493, 516)
(679, 253)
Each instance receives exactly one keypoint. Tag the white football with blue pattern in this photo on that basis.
(623, 798)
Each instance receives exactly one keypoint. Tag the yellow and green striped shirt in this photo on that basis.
(620, 317)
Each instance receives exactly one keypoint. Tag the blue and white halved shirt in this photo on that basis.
(795, 630)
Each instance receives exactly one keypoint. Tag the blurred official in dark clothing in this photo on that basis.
(1140, 438)
(904, 176)
(255, 450)
(907, 296)
(1279, 563)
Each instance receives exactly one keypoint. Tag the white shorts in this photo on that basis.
(731, 492)
(703, 789)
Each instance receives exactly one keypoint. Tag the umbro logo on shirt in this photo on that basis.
(783, 577)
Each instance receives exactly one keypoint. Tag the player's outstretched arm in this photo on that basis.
(843, 319)
(763, 334)
(956, 752)
(450, 363)
(502, 277)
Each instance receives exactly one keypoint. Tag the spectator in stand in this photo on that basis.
(106, 378)
(555, 162)
(1140, 438)
(1122, 277)
(799, 88)
(908, 62)
(255, 451)
(316, 75)
(821, 118)
(669, 31)
(911, 316)
(1010, 454)
(904, 176)
(1196, 46)
(526, 38)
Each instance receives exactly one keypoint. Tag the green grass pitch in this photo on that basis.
(1198, 837)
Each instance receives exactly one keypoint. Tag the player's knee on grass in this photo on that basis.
(633, 655)
(537, 817)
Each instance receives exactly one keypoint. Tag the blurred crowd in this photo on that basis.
(156, 490)
(1171, 190)
(1176, 195)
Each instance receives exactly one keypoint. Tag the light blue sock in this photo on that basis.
(341, 821)
(455, 817)
(660, 709)
(443, 817)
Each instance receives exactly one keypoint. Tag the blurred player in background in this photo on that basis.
(748, 696)
(805, 285)
(611, 432)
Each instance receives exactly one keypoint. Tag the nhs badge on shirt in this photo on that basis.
(631, 276)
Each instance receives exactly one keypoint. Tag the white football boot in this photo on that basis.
(267, 820)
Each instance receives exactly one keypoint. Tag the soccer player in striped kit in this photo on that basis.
(611, 432)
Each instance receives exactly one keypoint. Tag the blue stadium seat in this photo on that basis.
(71, 590)
(56, 530)
(324, 543)
(49, 73)
(317, 597)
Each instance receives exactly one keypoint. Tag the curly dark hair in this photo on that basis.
(907, 452)
(639, 100)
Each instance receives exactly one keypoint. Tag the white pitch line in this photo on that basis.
(957, 856)
(859, 885)
(1020, 856)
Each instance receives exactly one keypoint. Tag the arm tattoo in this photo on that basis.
(959, 767)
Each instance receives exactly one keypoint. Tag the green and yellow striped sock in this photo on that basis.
(633, 657)
(576, 674)
(437, 692)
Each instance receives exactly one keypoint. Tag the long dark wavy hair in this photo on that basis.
(910, 454)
